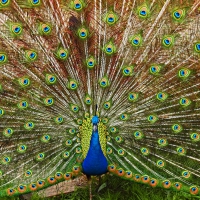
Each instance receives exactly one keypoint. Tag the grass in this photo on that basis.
(114, 188)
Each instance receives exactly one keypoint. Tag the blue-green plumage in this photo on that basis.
(95, 162)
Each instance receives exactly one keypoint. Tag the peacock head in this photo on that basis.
(95, 120)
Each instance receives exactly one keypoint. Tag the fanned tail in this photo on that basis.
(138, 62)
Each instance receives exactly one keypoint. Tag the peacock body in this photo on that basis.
(99, 86)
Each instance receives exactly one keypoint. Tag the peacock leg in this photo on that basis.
(90, 186)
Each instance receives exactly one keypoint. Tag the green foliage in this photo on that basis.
(114, 188)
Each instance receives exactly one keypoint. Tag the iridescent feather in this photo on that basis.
(91, 87)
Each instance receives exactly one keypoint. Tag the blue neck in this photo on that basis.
(95, 162)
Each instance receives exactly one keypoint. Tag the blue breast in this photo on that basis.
(95, 162)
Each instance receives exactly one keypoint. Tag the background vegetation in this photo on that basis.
(114, 188)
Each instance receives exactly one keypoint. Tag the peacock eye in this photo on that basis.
(78, 5)
(109, 49)
(63, 54)
(198, 46)
(143, 12)
(17, 29)
(2, 57)
(83, 34)
(177, 14)
(35, 1)
(111, 19)
(4, 1)
(46, 29)
(167, 42)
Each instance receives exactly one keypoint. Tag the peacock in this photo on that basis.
(99, 86)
